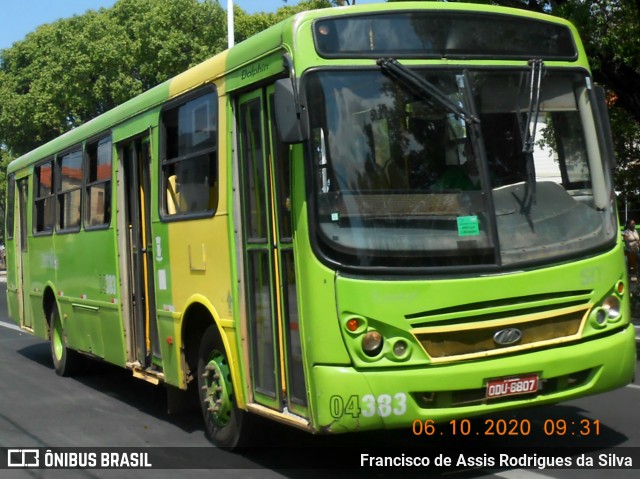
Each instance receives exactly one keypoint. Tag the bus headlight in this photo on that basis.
(611, 305)
(600, 317)
(401, 349)
(372, 343)
(610, 311)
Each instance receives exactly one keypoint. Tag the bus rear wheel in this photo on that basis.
(66, 362)
(226, 426)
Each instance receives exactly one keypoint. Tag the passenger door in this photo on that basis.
(276, 366)
(135, 235)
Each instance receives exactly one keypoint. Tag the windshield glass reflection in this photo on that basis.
(405, 181)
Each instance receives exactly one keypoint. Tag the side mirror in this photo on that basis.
(291, 113)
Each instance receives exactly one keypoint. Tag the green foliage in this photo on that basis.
(67, 72)
(70, 71)
(246, 25)
(5, 159)
(610, 31)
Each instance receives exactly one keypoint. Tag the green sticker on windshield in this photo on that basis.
(468, 226)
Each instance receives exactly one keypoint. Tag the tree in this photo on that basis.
(70, 71)
(67, 72)
(4, 162)
(610, 31)
(246, 25)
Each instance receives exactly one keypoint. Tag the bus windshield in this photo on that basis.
(403, 180)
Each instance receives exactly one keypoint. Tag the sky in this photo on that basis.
(19, 17)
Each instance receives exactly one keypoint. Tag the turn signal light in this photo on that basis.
(353, 324)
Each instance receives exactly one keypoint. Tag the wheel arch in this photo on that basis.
(197, 317)
(48, 303)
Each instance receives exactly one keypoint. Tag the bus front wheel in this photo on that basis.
(66, 361)
(226, 425)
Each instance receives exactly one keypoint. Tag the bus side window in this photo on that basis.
(97, 191)
(43, 198)
(190, 166)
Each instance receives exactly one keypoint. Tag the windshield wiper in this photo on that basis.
(423, 88)
(529, 132)
(533, 112)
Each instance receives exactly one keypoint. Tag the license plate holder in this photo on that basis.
(512, 386)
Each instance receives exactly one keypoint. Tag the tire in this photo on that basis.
(226, 426)
(66, 362)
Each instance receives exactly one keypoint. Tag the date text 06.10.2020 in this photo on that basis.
(507, 427)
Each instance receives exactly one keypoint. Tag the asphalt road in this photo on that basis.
(107, 407)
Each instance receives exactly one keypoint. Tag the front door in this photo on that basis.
(276, 370)
(135, 225)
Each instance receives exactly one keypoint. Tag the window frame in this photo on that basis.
(51, 195)
(165, 162)
(87, 184)
(60, 193)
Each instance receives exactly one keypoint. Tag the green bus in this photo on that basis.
(356, 219)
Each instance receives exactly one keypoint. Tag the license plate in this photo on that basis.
(512, 386)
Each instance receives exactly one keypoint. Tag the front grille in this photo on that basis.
(497, 307)
(466, 331)
(467, 340)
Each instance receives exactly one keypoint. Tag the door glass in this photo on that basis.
(255, 196)
(295, 372)
(297, 389)
(11, 192)
(264, 366)
(258, 250)
(272, 307)
(23, 194)
(137, 157)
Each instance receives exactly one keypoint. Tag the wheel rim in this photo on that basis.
(56, 340)
(217, 389)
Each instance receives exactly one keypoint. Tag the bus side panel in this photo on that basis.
(86, 288)
(193, 266)
(168, 319)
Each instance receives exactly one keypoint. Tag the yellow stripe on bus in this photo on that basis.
(205, 72)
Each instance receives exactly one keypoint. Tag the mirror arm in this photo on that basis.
(288, 63)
